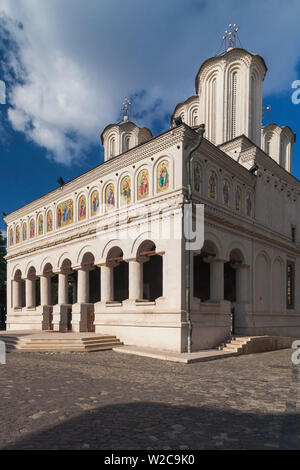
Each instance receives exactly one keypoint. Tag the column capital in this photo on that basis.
(216, 260)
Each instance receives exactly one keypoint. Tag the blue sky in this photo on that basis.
(68, 65)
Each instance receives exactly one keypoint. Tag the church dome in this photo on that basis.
(120, 137)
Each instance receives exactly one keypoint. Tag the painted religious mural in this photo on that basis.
(32, 228)
(64, 213)
(197, 177)
(49, 221)
(212, 185)
(82, 208)
(125, 191)
(143, 184)
(41, 225)
(238, 199)
(163, 176)
(226, 192)
(11, 237)
(249, 205)
(109, 196)
(95, 202)
(17, 234)
(24, 231)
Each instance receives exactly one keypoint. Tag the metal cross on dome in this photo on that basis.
(230, 36)
(125, 109)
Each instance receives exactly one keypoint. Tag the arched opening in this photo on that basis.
(202, 271)
(19, 300)
(233, 282)
(47, 298)
(120, 277)
(277, 286)
(32, 287)
(88, 263)
(152, 271)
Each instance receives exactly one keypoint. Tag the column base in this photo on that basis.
(62, 315)
(83, 317)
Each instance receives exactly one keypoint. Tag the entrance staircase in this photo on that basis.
(254, 344)
(59, 342)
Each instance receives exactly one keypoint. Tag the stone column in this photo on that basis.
(135, 280)
(30, 293)
(16, 294)
(242, 288)
(217, 280)
(83, 287)
(62, 288)
(45, 290)
(107, 283)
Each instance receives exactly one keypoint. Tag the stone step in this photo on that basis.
(60, 343)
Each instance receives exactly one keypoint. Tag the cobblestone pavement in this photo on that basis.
(107, 400)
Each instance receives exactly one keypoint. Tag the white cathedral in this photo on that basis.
(84, 257)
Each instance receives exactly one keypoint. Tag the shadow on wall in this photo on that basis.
(147, 425)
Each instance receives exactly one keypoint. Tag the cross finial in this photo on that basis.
(230, 36)
(125, 109)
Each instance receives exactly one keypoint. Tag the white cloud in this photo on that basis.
(78, 60)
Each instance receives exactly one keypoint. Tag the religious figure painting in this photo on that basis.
(110, 196)
(125, 190)
(32, 228)
(65, 213)
(143, 184)
(24, 231)
(212, 185)
(41, 225)
(49, 221)
(249, 205)
(95, 202)
(11, 237)
(197, 177)
(163, 176)
(82, 208)
(238, 199)
(17, 234)
(226, 192)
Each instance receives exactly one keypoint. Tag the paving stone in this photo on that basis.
(106, 400)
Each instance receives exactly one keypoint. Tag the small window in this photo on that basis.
(290, 285)
(293, 233)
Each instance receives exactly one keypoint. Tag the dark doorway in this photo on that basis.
(95, 285)
(229, 283)
(54, 289)
(152, 276)
(121, 282)
(201, 278)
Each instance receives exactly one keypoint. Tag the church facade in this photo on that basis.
(106, 251)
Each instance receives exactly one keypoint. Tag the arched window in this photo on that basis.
(213, 105)
(233, 106)
(112, 147)
(126, 143)
(212, 185)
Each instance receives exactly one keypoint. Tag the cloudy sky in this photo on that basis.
(68, 64)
